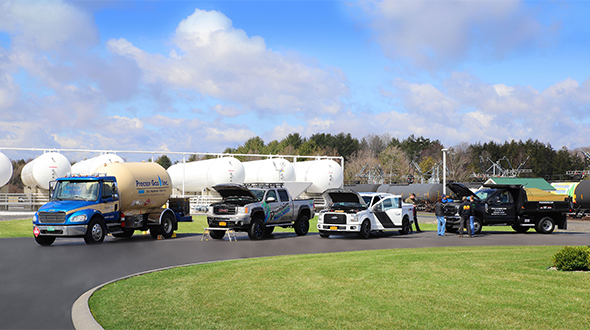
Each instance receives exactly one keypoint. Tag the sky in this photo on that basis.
(201, 76)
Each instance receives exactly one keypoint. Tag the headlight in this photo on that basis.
(35, 218)
(354, 218)
(79, 218)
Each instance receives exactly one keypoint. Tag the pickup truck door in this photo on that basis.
(288, 204)
(500, 208)
(275, 209)
(388, 213)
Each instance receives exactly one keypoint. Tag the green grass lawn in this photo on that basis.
(429, 288)
(16, 228)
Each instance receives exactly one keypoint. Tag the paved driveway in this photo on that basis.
(38, 285)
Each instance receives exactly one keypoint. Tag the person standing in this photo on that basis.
(465, 211)
(471, 218)
(439, 211)
(412, 200)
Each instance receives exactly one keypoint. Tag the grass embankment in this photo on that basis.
(442, 288)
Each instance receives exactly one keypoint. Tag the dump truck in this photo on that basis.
(508, 205)
(117, 199)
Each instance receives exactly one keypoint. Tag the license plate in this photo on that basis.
(223, 224)
(333, 228)
(50, 228)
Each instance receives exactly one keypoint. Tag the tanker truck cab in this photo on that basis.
(348, 212)
(92, 206)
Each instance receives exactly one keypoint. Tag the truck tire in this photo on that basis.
(365, 230)
(520, 229)
(406, 226)
(477, 225)
(217, 234)
(545, 226)
(45, 240)
(256, 230)
(323, 234)
(96, 232)
(165, 228)
(301, 225)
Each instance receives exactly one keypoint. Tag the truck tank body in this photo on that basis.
(45, 168)
(88, 166)
(582, 194)
(142, 186)
(269, 170)
(430, 191)
(5, 169)
(363, 187)
(323, 174)
(207, 173)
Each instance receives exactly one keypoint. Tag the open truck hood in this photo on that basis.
(338, 195)
(460, 190)
(233, 190)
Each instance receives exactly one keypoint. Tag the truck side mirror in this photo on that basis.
(115, 197)
(271, 199)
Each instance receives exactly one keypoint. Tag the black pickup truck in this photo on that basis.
(507, 205)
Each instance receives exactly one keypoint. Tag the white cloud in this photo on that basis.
(437, 34)
(220, 61)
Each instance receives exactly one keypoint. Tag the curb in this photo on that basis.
(82, 316)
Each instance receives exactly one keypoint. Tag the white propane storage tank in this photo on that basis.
(45, 168)
(5, 169)
(203, 174)
(323, 174)
(269, 170)
(88, 166)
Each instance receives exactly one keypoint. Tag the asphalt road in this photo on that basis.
(38, 285)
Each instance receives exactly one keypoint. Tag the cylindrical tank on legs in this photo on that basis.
(269, 170)
(323, 174)
(426, 191)
(88, 166)
(199, 175)
(45, 168)
(5, 169)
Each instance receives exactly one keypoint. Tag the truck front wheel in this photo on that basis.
(96, 231)
(256, 231)
(545, 226)
(45, 240)
(302, 225)
(365, 230)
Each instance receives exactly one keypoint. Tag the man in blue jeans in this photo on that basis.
(472, 201)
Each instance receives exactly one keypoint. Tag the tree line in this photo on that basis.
(392, 160)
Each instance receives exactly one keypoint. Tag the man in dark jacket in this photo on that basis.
(465, 212)
(412, 200)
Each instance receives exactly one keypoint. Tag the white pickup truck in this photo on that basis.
(347, 212)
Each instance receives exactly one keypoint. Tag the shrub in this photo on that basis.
(572, 258)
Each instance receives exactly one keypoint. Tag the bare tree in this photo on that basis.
(395, 163)
(458, 160)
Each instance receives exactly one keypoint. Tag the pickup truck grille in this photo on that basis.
(451, 210)
(224, 209)
(335, 218)
(52, 217)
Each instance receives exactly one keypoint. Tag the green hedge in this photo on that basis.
(572, 258)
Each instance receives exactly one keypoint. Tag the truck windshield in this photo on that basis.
(76, 190)
(484, 193)
(348, 206)
(258, 193)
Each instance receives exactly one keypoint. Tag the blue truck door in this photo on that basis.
(110, 201)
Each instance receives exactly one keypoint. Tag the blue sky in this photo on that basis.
(205, 75)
